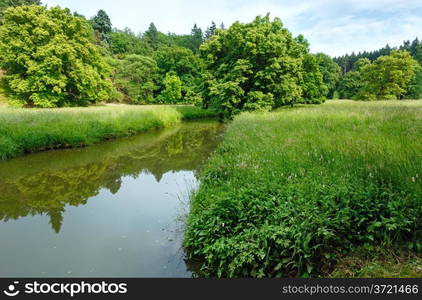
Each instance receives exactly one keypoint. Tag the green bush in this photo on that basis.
(288, 192)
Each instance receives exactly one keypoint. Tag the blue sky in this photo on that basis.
(334, 27)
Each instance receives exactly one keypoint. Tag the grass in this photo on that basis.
(377, 262)
(29, 130)
(291, 192)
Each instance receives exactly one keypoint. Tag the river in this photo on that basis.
(115, 209)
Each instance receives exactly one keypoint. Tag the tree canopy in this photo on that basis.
(258, 65)
(5, 4)
(50, 58)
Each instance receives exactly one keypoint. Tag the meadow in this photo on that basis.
(30, 130)
(292, 192)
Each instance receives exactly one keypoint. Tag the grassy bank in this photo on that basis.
(29, 130)
(289, 193)
(378, 262)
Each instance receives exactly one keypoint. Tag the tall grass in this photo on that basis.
(291, 191)
(29, 130)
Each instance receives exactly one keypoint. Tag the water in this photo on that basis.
(115, 209)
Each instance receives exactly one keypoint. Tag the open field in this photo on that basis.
(289, 193)
(29, 130)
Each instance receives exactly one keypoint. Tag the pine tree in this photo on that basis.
(151, 36)
(210, 31)
(102, 26)
(197, 38)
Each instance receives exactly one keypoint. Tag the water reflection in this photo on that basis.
(120, 194)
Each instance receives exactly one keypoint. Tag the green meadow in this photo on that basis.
(291, 192)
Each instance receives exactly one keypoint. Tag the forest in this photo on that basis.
(319, 164)
(69, 60)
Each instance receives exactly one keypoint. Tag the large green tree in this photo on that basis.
(50, 58)
(388, 77)
(251, 66)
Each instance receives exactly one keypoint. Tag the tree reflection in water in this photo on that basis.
(45, 183)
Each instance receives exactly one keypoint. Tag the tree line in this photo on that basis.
(387, 73)
(56, 58)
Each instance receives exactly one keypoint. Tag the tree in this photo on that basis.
(102, 26)
(5, 4)
(172, 92)
(135, 77)
(50, 58)
(210, 31)
(415, 87)
(152, 36)
(388, 77)
(253, 66)
(330, 71)
(314, 88)
(197, 39)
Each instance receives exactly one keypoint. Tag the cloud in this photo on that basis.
(332, 26)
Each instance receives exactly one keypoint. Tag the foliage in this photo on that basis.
(314, 88)
(124, 42)
(289, 192)
(349, 85)
(182, 62)
(50, 58)
(415, 87)
(152, 36)
(388, 77)
(135, 77)
(5, 4)
(101, 24)
(211, 31)
(253, 64)
(30, 130)
(330, 71)
(197, 39)
(172, 93)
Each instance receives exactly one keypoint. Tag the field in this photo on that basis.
(29, 130)
(291, 192)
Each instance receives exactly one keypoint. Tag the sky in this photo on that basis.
(335, 27)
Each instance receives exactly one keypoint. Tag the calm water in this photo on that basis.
(110, 210)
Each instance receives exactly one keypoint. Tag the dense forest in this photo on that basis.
(55, 58)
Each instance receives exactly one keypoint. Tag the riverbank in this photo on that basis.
(290, 193)
(32, 130)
